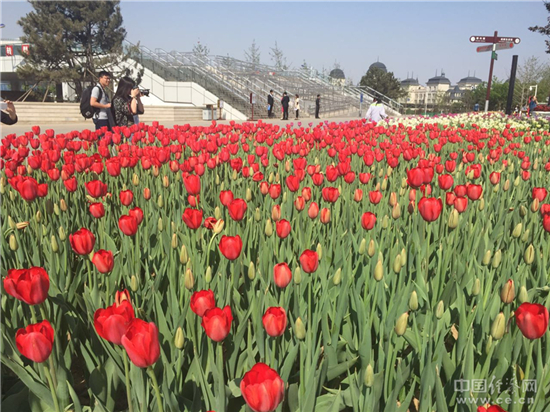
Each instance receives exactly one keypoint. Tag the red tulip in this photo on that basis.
(226, 197)
(28, 285)
(147, 193)
(121, 296)
(237, 209)
(430, 208)
(415, 177)
(192, 184)
(313, 210)
(546, 223)
(42, 190)
(460, 204)
(275, 191)
(474, 191)
(330, 194)
(282, 228)
(461, 190)
(368, 220)
(141, 342)
(539, 193)
(97, 210)
(306, 193)
(274, 321)
(82, 241)
(128, 225)
(282, 275)
(70, 184)
(445, 182)
(358, 195)
(202, 301)
(309, 260)
(375, 197)
(96, 188)
(325, 216)
(450, 198)
(35, 342)
(230, 246)
(103, 261)
(113, 322)
(137, 213)
(209, 222)
(262, 388)
(299, 203)
(192, 218)
(293, 183)
(490, 408)
(217, 323)
(126, 197)
(494, 177)
(532, 320)
(28, 189)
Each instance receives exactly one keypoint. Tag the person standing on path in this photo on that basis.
(100, 100)
(317, 106)
(297, 107)
(376, 111)
(285, 102)
(270, 102)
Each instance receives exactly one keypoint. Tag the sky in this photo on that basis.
(408, 37)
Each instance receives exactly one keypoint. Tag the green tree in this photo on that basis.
(72, 40)
(201, 50)
(253, 54)
(497, 100)
(383, 82)
(278, 58)
(544, 30)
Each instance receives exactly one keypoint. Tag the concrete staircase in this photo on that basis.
(52, 113)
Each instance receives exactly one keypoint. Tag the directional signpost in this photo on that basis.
(498, 43)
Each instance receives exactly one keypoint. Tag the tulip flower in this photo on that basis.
(313, 210)
(300, 203)
(282, 275)
(309, 261)
(35, 342)
(103, 261)
(112, 323)
(445, 182)
(137, 213)
(293, 183)
(494, 177)
(460, 204)
(141, 343)
(126, 197)
(474, 191)
(430, 208)
(96, 188)
(192, 218)
(532, 320)
(97, 210)
(82, 241)
(70, 184)
(217, 323)
(28, 285)
(28, 189)
(325, 215)
(192, 184)
(375, 197)
(230, 246)
(226, 197)
(282, 228)
(202, 301)
(128, 225)
(262, 388)
(368, 220)
(237, 209)
(330, 194)
(490, 408)
(274, 321)
(539, 193)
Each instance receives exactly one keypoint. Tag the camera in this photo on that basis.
(144, 92)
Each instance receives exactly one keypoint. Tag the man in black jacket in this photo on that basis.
(270, 102)
(317, 106)
(284, 102)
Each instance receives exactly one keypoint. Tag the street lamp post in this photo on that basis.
(536, 86)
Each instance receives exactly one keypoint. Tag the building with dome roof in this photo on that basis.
(416, 92)
(378, 65)
(469, 83)
(337, 77)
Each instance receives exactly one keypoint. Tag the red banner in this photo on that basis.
(9, 50)
(25, 48)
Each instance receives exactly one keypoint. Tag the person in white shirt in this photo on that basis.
(376, 111)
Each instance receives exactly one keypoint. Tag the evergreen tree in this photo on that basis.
(71, 41)
(278, 58)
(201, 50)
(545, 30)
(253, 54)
(383, 82)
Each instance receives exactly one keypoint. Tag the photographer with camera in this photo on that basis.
(127, 102)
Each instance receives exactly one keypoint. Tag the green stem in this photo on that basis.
(127, 376)
(156, 387)
(52, 389)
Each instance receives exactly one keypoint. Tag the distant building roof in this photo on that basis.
(470, 80)
(410, 82)
(378, 65)
(441, 79)
(337, 74)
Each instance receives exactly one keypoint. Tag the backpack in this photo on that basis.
(86, 108)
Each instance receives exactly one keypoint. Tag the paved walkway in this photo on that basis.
(22, 127)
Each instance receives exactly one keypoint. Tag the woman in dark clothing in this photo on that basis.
(126, 102)
(9, 116)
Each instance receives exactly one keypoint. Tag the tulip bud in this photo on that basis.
(268, 228)
(486, 258)
(476, 287)
(63, 205)
(271, 178)
(160, 226)
(178, 338)
(397, 264)
(481, 204)
(413, 301)
(496, 188)
(165, 181)
(160, 202)
(248, 196)
(234, 175)
(284, 197)
(363, 246)
(506, 185)
(135, 179)
(535, 205)
(401, 324)
(297, 276)
(452, 223)
(523, 296)
(319, 251)
(173, 227)
(13, 242)
(23, 225)
(61, 233)
(440, 310)
(517, 230)
(508, 293)
(208, 275)
(134, 283)
(369, 376)
(402, 191)
(11, 223)
(498, 327)
(371, 249)
(257, 215)
(251, 271)
(380, 173)
(525, 236)
(378, 271)
(489, 345)
(392, 201)
(516, 181)
(299, 329)
(12, 196)
(403, 257)
(396, 211)
(529, 255)
(522, 211)
(217, 213)
(56, 209)
(55, 246)
(189, 280)
(337, 277)
(146, 193)
(384, 185)
(385, 222)
(218, 226)
(183, 255)
(404, 183)
(174, 241)
(496, 259)
(49, 207)
(218, 180)
(276, 213)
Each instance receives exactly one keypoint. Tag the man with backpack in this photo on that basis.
(100, 103)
